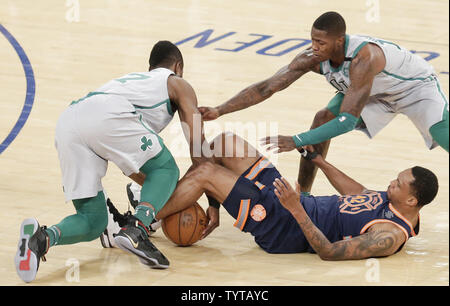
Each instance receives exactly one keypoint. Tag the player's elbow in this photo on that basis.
(265, 89)
(347, 122)
(326, 256)
(331, 253)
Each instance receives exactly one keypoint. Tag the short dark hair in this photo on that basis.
(164, 53)
(332, 23)
(425, 185)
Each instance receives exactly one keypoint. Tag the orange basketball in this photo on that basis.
(185, 227)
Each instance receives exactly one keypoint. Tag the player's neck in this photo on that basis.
(337, 58)
(408, 212)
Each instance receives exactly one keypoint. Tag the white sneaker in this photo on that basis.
(113, 227)
(134, 194)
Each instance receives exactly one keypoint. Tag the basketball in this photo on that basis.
(185, 227)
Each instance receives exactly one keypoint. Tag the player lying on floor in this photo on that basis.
(360, 223)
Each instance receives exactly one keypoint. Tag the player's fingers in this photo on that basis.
(277, 186)
(309, 148)
(281, 149)
(265, 140)
(286, 183)
(272, 147)
(211, 226)
(297, 187)
(269, 140)
(280, 186)
(277, 194)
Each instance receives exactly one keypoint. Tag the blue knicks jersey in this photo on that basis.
(257, 210)
(344, 217)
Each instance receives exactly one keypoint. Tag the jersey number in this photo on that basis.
(341, 86)
(133, 77)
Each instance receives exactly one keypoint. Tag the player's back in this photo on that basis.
(148, 93)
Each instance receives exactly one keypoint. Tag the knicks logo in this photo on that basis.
(359, 203)
(258, 213)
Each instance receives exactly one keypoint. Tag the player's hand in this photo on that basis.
(281, 143)
(208, 113)
(289, 198)
(213, 221)
(309, 153)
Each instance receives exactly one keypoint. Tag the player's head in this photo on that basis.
(416, 186)
(167, 55)
(328, 35)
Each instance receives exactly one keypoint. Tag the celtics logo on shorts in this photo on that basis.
(146, 143)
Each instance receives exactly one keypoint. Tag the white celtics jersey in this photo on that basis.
(147, 92)
(403, 71)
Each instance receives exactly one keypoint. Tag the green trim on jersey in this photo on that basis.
(388, 42)
(359, 48)
(407, 79)
(167, 102)
(92, 93)
(150, 130)
(441, 93)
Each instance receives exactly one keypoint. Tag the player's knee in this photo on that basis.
(204, 171)
(322, 117)
(201, 174)
(223, 145)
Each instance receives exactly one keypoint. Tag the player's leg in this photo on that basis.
(234, 152)
(439, 132)
(86, 224)
(307, 170)
(230, 151)
(208, 178)
(161, 177)
(427, 108)
(80, 184)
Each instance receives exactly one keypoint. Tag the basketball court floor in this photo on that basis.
(53, 52)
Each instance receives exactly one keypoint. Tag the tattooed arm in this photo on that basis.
(382, 239)
(261, 91)
(344, 184)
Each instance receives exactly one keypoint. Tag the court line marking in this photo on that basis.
(30, 94)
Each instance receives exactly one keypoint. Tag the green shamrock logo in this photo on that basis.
(146, 143)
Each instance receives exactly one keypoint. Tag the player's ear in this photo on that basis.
(411, 201)
(341, 40)
(179, 69)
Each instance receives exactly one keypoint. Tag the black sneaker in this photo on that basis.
(33, 245)
(131, 239)
(134, 195)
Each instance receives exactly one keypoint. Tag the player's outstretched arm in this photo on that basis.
(344, 184)
(260, 91)
(381, 239)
